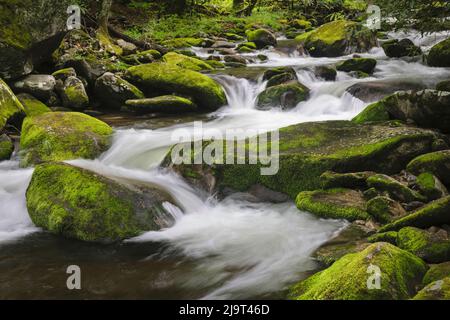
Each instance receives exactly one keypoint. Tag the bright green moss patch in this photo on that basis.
(437, 163)
(6, 147)
(164, 104)
(436, 272)
(333, 204)
(166, 78)
(396, 189)
(348, 277)
(358, 64)
(58, 136)
(186, 62)
(376, 112)
(430, 186)
(80, 204)
(32, 106)
(183, 43)
(10, 106)
(390, 237)
(438, 290)
(384, 209)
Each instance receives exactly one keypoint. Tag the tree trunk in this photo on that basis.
(247, 11)
(104, 15)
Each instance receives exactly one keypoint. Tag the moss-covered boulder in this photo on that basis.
(6, 147)
(285, 96)
(348, 278)
(443, 86)
(436, 272)
(307, 150)
(147, 56)
(63, 74)
(83, 205)
(384, 209)
(31, 29)
(389, 237)
(164, 104)
(338, 38)
(164, 78)
(113, 91)
(396, 189)
(437, 163)
(401, 48)
(261, 37)
(431, 247)
(178, 43)
(280, 75)
(58, 136)
(39, 85)
(10, 107)
(73, 93)
(430, 186)
(327, 73)
(350, 180)
(186, 62)
(333, 204)
(31, 105)
(439, 55)
(436, 213)
(366, 65)
(301, 24)
(438, 290)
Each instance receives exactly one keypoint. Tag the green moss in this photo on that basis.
(358, 64)
(165, 104)
(250, 45)
(6, 147)
(83, 205)
(32, 106)
(436, 272)
(347, 278)
(166, 78)
(430, 186)
(384, 209)
(58, 136)
(433, 214)
(424, 244)
(10, 106)
(344, 180)
(437, 163)
(186, 62)
(439, 55)
(389, 237)
(396, 189)
(215, 64)
(286, 95)
(107, 43)
(63, 74)
(261, 38)
(438, 290)
(334, 203)
(183, 42)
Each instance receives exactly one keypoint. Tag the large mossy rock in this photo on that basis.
(261, 37)
(384, 209)
(178, 43)
(113, 91)
(59, 136)
(347, 278)
(286, 95)
(164, 78)
(401, 48)
(39, 85)
(372, 91)
(30, 30)
(431, 247)
(437, 163)
(430, 186)
(10, 106)
(307, 150)
(163, 104)
(394, 188)
(438, 290)
(73, 93)
(426, 108)
(31, 105)
(437, 272)
(338, 38)
(6, 147)
(439, 55)
(365, 65)
(186, 62)
(350, 180)
(436, 213)
(80, 204)
(333, 204)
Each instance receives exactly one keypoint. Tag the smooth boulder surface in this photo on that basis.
(59, 136)
(401, 48)
(31, 105)
(163, 78)
(39, 85)
(83, 205)
(286, 95)
(163, 104)
(307, 150)
(338, 38)
(261, 37)
(10, 106)
(113, 91)
(439, 55)
(358, 64)
(372, 91)
(347, 278)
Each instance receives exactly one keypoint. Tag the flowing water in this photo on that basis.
(230, 248)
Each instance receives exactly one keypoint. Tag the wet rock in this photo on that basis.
(439, 55)
(162, 78)
(430, 186)
(39, 85)
(358, 64)
(223, 44)
(326, 73)
(347, 278)
(11, 110)
(334, 204)
(164, 104)
(261, 37)
(73, 93)
(384, 209)
(338, 38)
(80, 204)
(6, 147)
(353, 180)
(443, 86)
(371, 91)
(113, 91)
(285, 96)
(403, 48)
(59, 136)
(429, 246)
(188, 42)
(437, 163)
(31, 105)
(236, 59)
(186, 62)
